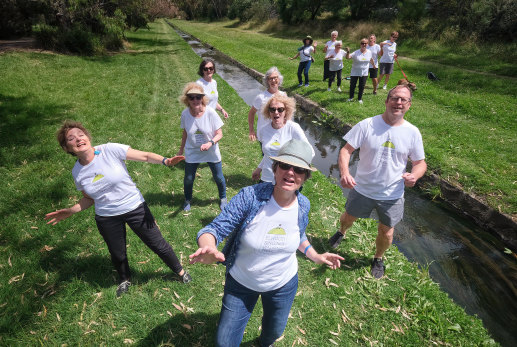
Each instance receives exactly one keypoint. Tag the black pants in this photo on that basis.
(326, 64)
(353, 83)
(141, 221)
(332, 75)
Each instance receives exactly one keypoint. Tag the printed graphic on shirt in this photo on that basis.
(275, 240)
(275, 143)
(97, 177)
(386, 154)
(200, 137)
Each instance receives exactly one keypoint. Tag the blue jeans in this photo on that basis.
(304, 66)
(238, 304)
(190, 175)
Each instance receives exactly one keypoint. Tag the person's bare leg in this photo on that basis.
(375, 84)
(346, 222)
(384, 239)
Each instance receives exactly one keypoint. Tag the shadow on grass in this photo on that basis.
(352, 261)
(196, 329)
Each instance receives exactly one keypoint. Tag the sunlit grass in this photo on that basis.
(57, 284)
(467, 119)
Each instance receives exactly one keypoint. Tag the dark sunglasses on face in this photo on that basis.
(296, 169)
(364, 43)
(274, 109)
(195, 97)
(211, 68)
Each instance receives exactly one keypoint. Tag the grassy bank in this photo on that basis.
(467, 119)
(57, 285)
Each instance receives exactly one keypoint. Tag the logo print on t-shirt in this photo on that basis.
(277, 231)
(276, 143)
(388, 144)
(97, 177)
(198, 132)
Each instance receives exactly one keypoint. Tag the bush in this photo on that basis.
(46, 35)
(80, 40)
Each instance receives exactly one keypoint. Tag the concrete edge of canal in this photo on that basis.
(500, 224)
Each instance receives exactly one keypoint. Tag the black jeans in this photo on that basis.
(141, 221)
(326, 64)
(362, 83)
(332, 75)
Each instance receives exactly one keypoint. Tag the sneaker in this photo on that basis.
(123, 288)
(377, 268)
(328, 89)
(336, 239)
(307, 84)
(186, 206)
(223, 203)
(338, 89)
(300, 85)
(186, 278)
(350, 100)
(385, 86)
(374, 92)
(361, 102)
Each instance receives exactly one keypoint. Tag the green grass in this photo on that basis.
(57, 284)
(467, 119)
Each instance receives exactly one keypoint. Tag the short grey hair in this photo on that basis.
(269, 72)
(334, 32)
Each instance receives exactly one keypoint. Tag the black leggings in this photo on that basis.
(332, 75)
(141, 221)
(362, 83)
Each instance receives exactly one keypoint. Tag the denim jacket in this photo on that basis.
(240, 212)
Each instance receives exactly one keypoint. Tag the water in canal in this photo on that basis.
(468, 262)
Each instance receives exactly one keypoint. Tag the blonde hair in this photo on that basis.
(289, 104)
(193, 86)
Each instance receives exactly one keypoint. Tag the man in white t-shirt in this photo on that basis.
(386, 142)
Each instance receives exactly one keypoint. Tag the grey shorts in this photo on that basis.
(390, 212)
(386, 68)
(373, 72)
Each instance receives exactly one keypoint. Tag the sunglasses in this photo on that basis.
(364, 43)
(274, 109)
(296, 169)
(195, 97)
(211, 68)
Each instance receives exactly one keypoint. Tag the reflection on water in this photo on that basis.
(467, 262)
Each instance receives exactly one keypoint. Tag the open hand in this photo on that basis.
(206, 255)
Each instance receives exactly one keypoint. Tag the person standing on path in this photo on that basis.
(386, 142)
(209, 84)
(374, 69)
(328, 47)
(388, 56)
(305, 53)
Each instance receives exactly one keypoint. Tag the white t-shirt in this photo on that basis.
(305, 53)
(259, 103)
(388, 52)
(106, 180)
(375, 49)
(383, 155)
(210, 89)
(360, 62)
(272, 139)
(266, 258)
(330, 45)
(199, 131)
(335, 63)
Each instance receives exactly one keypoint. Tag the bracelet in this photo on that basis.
(306, 248)
(163, 160)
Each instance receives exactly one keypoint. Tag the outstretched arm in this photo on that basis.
(330, 259)
(207, 252)
(59, 215)
(148, 157)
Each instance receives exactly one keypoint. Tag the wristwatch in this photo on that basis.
(213, 143)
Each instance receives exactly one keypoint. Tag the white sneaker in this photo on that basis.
(328, 89)
(338, 89)
(350, 100)
(361, 102)
(384, 86)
